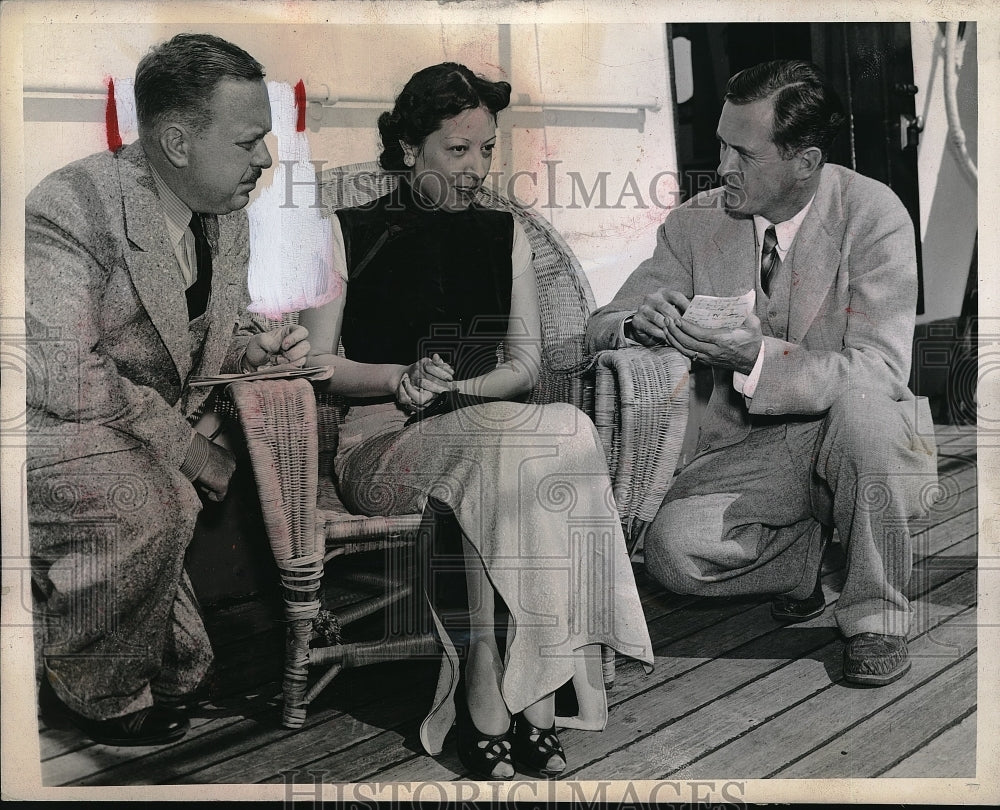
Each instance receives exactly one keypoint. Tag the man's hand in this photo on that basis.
(215, 475)
(286, 344)
(735, 349)
(656, 311)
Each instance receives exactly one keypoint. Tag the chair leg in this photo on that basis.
(362, 653)
(296, 673)
(608, 666)
(301, 584)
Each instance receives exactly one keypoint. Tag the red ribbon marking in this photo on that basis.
(300, 107)
(111, 119)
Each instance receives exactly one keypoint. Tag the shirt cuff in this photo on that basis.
(746, 384)
(624, 341)
(196, 458)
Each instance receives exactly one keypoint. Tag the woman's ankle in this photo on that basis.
(482, 692)
(541, 714)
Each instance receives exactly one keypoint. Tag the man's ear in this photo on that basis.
(808, 161)
(175, 143)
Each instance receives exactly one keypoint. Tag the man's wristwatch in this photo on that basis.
(627, 329)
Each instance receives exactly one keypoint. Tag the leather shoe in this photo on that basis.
(790, 611)
(153, 725)
(874, 659)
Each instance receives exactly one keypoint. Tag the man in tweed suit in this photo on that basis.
(135, 276)
(810, 422)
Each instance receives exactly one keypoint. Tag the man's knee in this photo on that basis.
(667, 563)
(675, 542)
(149, 494)
(129, 490)
(862, 419)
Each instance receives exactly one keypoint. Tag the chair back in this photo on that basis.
(564, 295)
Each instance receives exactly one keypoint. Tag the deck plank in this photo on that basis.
(660, 736)
(686, 677)
(366, 721)
(919, 716)
(252, 745)
(951, 752)
(769, 746)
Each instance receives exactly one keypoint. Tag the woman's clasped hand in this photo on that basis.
(423, 381)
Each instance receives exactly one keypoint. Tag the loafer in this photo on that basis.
(790, 611)
(153, 725)
(874, 659)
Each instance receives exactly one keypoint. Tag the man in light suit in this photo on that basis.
(135, 281)
(810, 422)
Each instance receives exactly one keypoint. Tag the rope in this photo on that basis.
(955, 131)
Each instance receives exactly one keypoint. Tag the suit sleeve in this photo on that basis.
(65, 281)
(670, 267)
(879, 257)
(248, 322)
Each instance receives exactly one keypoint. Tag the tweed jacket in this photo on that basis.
(851, 298)
(108, 344)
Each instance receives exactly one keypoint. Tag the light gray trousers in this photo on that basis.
(747, 519)
(115, 614)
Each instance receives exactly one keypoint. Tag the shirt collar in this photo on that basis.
(176, 214)
(784, 231)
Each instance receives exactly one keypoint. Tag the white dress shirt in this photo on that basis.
(178, 220)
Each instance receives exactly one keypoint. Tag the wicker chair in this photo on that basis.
(306, 523)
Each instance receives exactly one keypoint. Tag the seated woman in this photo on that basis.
(435, 284)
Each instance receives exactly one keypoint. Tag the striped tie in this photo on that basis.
(769, 260)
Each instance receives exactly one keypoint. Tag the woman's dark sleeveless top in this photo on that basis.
(422, 281)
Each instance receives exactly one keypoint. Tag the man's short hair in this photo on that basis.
(807, 110)
(180, 76)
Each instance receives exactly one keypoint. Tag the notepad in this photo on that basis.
(713, 312)
(281, 372)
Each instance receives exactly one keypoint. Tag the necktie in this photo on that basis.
(197, 293)
(769, 260)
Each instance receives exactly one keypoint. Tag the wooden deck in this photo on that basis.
(733, 693)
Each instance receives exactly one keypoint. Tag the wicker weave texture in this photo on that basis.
(640, 411)
(279, 419)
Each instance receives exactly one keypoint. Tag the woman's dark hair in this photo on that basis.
(807, 110)
(180, 76)
(429, 97)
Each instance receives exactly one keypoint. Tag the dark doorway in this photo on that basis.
(870, 65)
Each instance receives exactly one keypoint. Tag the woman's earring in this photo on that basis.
(409, 160)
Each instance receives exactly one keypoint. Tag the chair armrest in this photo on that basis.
(640, 411)
(279, 421)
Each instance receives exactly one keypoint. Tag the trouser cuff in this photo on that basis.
(862, 619)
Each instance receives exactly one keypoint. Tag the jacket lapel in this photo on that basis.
(733, 270)
(815, 256)
(228, 283)
(151, 262)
